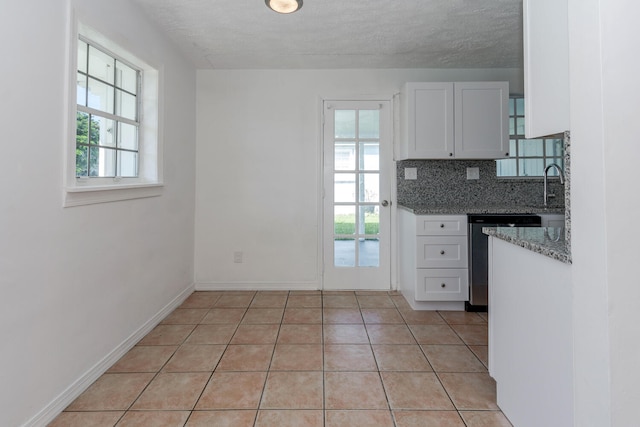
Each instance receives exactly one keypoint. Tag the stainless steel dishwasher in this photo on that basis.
(479, 252)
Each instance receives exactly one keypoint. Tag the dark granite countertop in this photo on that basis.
(548, 241)
(421, 209)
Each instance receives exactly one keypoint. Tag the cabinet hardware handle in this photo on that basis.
(441, 252)
(443, 285)
(441, 225)
(450, 154)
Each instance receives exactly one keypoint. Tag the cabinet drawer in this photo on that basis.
(435, 284)
(441, 225)
(441, 252)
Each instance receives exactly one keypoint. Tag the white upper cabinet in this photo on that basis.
(481, 120)
(546, 67)
(427, 112)
(454, 121)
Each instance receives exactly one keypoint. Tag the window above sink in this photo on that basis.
(528, 157)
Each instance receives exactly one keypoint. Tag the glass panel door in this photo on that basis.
(356, 203)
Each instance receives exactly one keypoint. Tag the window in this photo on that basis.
(115, 135)
(528, 157)
(107, 117)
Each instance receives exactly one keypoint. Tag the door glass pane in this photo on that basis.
(345, 124)
(370, 217)
(369, 252)
(344, 252)
(369, 124)
(345, 156)
(344, 187)
(370, 156)
(369, 187)
(101, 65)
(344, 220)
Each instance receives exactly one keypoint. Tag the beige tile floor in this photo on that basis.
(298, 359)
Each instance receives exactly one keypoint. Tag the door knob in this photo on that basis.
(385, 203)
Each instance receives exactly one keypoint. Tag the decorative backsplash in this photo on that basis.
(444, 182)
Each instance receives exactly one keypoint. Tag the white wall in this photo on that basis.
(605, 202)
(77, 282)
(258, 172)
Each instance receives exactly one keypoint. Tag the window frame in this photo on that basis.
(113, 116)
(518, 137)
(149, 183)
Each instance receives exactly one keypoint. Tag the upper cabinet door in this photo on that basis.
(454, 121)
(546, 67)
(428, 111)
(481, 120)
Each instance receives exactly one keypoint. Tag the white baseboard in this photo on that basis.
(53, 409)
(257, 286)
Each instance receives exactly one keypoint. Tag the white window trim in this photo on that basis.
(85, 191)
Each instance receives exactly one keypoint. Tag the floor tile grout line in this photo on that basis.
(273, 352)
(322, 307)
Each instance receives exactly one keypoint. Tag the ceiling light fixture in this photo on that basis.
(284, 6)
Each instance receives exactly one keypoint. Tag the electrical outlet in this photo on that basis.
(237, 257)
(410, 173)
(473, 173)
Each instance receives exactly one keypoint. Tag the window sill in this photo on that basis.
(93, 194)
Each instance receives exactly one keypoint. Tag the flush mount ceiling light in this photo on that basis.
(284, 6)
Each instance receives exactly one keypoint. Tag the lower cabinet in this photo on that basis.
(530, 336)
(442, 284)
(433, 261)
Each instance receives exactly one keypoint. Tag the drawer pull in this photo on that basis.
(442, 252)
(441, 225)
(444, 285)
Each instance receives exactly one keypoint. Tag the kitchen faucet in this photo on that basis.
(545, 175)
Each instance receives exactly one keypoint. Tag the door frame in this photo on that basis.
(393, 99)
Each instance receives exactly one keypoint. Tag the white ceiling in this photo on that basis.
(344, 33)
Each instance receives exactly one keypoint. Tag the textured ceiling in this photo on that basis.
(344, 33)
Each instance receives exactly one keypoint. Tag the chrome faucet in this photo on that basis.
(545, 175)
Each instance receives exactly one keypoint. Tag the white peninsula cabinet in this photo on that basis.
(433, 263)
(467, 120)
(546, 67)
(530, 335)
